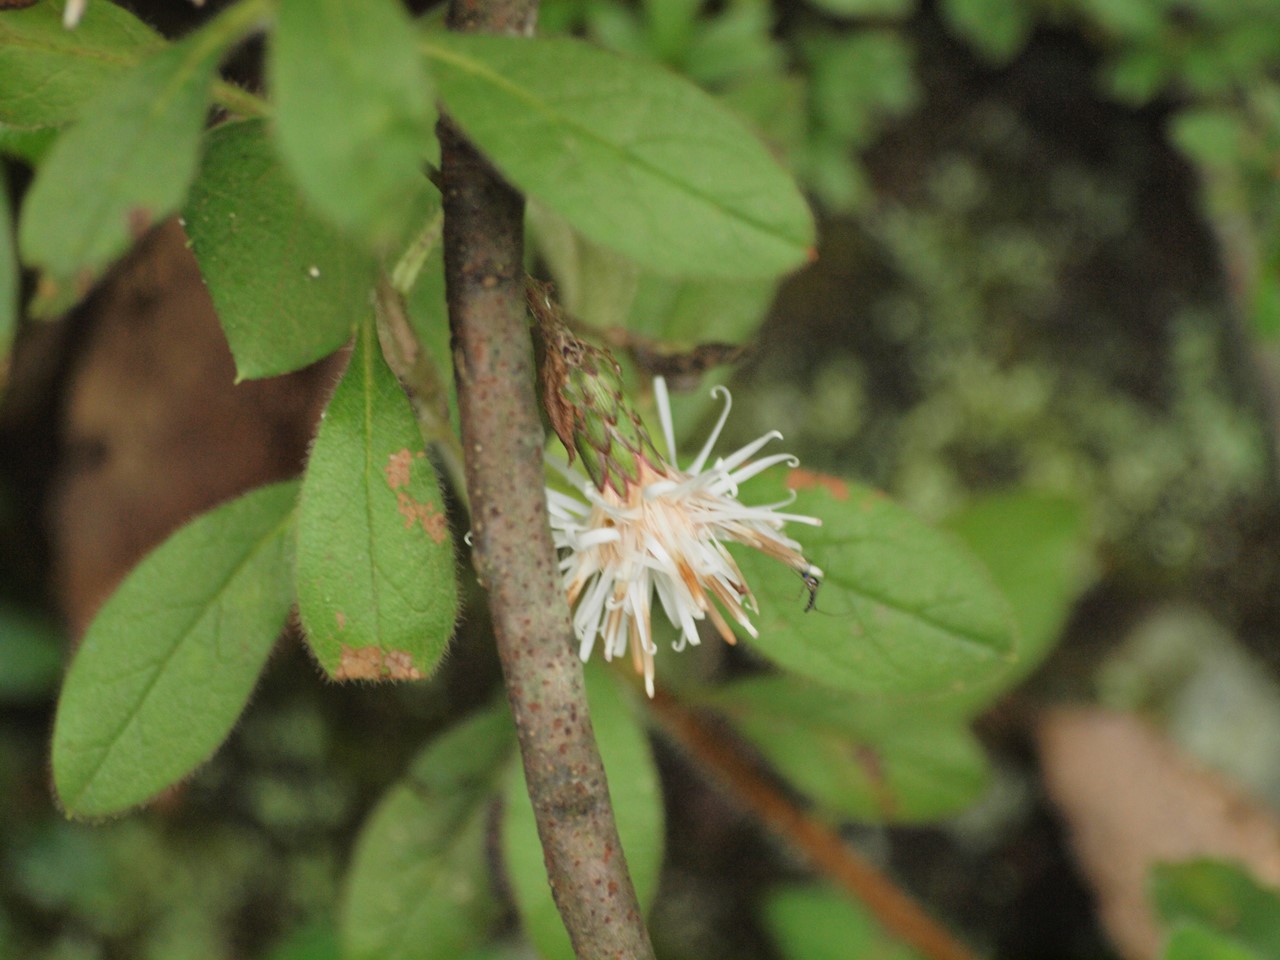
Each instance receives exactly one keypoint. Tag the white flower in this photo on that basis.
(664, 534)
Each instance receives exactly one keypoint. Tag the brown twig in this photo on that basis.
(514, 556)
(826, 851)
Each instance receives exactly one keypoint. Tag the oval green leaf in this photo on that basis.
(288, 288)
(1221, 896)
(998, 29)
(169, 662)
(419, 887)
(354, 115)
(48, 73)
(1192, 941)
(903, 607)
(635, 158)
(821, 923)
(124, 166)
(1037, 550)
(865, 759)
(636, 797)
(376, 588)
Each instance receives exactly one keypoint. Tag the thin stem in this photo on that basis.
(513, 552)
(239, 101)
(229, 27)
(825, 849)
(420, 376)
(405, 272)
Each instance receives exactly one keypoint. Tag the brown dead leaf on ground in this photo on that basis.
(1131, 800)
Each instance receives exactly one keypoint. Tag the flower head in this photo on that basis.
(648, 527)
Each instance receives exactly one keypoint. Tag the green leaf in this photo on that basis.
(637, 806)
(288, 288)
(354, 116)
(1139, 73)
(903, 608)
(594, 284)
(997, 28)
(688, 312)
(419, 884)
(1126, 19)
(1213, 136)
(868, 760)
(29, 146)
(1036, 548)
(124, 166)
(314, 941)
(1191, 941)
(48, 73)
(866, 8)
(634, 158)
(1223, 897)
(31, 654)
(858, 79)
(671, 26)
(818, 923)
(376, 589)
(1264, 314)
(737, 42)
(683, 314)
(10, 279)
(169, 662)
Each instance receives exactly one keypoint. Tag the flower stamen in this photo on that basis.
(647, 527)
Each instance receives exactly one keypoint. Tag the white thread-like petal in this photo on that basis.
(664, 536)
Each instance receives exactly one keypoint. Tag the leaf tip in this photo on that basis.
(374, 663)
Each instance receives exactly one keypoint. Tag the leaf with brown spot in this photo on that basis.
(427, 515)
(397, 469)
(371, 663)
(377, 598)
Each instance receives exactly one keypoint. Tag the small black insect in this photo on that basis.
(812, 577)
